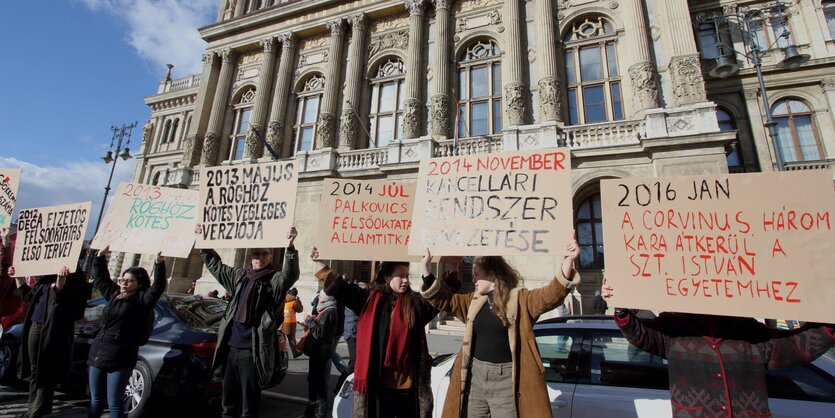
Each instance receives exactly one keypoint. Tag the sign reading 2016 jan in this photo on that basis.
(758, 245)
(148, 219)
(509, 203)
(9, 180)
(49, 238)
(247, 206)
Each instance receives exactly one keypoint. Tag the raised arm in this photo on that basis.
(287, 277)
(553, 294)
(101, 276)
(225, 275)
(800, 346)
(643, 334)
(440, 296)
(153, 294)
(353, 297)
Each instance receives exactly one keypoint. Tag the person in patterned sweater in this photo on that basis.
(717, 364)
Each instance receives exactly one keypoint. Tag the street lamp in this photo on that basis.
(119, 134)
(754, 52)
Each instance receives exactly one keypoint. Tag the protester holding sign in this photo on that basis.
(393, 365)
(126, 324)
(717, 364)
(499, 317)
(247, 342)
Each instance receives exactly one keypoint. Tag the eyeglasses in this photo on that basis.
(127, 280)
(260, 253)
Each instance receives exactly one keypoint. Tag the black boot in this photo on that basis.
(309, 412)
(322, 408)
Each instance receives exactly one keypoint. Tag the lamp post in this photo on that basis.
(112, 156)
(754, 52)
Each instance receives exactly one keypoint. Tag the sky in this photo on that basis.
(74, 68)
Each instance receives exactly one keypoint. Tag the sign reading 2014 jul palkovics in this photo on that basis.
(9, 182)
(247, 206)
(510, 203)
(147, 219)
(755, 245)
(49, 238)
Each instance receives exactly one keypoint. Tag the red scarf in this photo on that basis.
(397, 352)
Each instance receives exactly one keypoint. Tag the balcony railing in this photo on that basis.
(361, 159)
(469, 146)
(603, 134)
(182, 83)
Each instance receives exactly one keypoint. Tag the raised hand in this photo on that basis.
(160, 258)
(291, 235)
(62, 277)
(11, 271)
(4, 236)
(103, 251)
(572, 250)
(426, 263)
(606, 290)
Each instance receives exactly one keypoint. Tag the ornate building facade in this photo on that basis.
(368, 88)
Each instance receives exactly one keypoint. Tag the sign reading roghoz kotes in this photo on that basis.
(511, 203)
(247, 206)
(49, 238)
(9, 181)
(147, 219)
(755, 245)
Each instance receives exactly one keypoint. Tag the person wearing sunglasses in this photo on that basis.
(247, 353)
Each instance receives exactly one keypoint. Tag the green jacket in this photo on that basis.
(265, 335)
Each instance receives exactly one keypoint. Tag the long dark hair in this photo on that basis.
(506, 279)
(141, 276)
(381, 284)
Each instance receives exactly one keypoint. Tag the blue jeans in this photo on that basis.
(110, 383)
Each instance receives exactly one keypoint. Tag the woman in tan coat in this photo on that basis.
(498, 371)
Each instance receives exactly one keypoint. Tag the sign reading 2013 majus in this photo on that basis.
(247, 206)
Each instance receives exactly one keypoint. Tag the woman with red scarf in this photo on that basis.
(393, 365)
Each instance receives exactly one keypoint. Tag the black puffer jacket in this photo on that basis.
(116, 345)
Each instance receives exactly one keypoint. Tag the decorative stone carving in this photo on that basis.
(209, 58)
(828, 84)
(267, 44)
(250, 58)
(412, 111)
(147, 132)
(550, 106)
(442, 4)
(348, 129)
(275, 135)
(465, 23)
(288, 39)
(729, 9)
(415, 7)
(613, 4)
(252, 147)
(325, 130)
(688, 84)
(467, 5)
(750, 93)
(396, 40)
(439, 117)
(226, 55)
(644, 86)
(210, 146)
(337, 27)
(314, 42)
(359, 22)
(516, 99)
(191, 147)
(392, 22)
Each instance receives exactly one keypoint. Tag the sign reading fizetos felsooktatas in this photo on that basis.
(757, 245)
(247, 206)
(511, 203)
(9, 181)
(49, 238)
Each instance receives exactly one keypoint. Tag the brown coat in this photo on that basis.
(523, 309)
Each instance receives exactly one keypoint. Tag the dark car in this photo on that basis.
(175, 362)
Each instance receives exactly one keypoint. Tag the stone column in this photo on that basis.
(350, 130)
(275, 132)
(193, 144)
(253, 147)
(685, 70)
(642, 74)
(415, 72)
(326, 126)
(550, 104)
(759, 134)
(516, 93)
(212, 141)
(439, 102)
(240, 8)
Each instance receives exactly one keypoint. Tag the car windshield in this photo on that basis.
(198, 312)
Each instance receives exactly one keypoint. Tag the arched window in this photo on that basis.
(385, 117)
(796, 131)
(829, 15)
(307, 112)
(589, 227)
(174, 130)
(591, 72)
(480, 90)
(241, 124)
(166, 132)
(727, 123)
(155, 181)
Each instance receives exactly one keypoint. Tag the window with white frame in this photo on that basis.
(589, 226)
(242, 111)
(480, 90)
(771, 32)
(385, 117)
(307, 112)
(591, 70)
(796, 131)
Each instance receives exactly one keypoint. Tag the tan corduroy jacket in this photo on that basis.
(523, 309)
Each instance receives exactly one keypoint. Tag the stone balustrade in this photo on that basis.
(469, 146)
(361, 159)
(184, 83)
(809, 165)
(603, 134)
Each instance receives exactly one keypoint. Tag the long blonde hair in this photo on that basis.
(506, 279)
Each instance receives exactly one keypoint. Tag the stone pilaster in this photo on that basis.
(439, 101)
(326, 125)
(349, 130)
(253, 147)
(550, 104)
(642, 74)
(193, 144)
(211, 144)
(275, 129)
(516, 94)
(413, 105)
(685, 71)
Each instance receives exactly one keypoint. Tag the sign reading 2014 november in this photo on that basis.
(247, 206)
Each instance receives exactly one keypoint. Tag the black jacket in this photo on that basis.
(323, 335)
(63, 308)
(116, 345)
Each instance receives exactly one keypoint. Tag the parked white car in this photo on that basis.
(592, 372)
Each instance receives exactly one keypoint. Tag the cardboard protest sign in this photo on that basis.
(146, 219)
(9, 182)
(365, 220)
(755, 245)
(511, 203)
(49, 238)
(247, 206)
